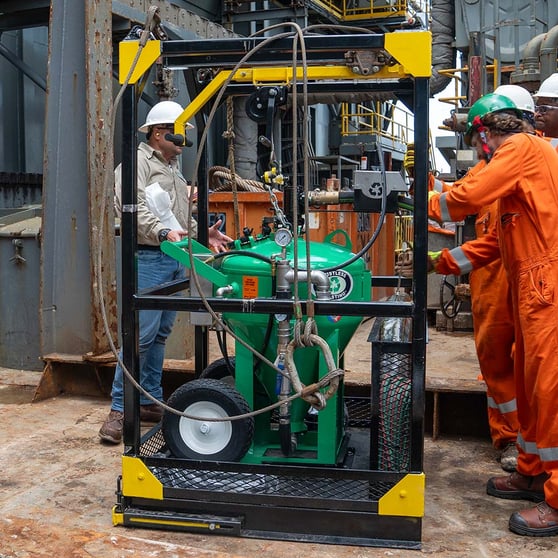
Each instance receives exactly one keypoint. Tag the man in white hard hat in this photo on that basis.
(162, 214)
(546, 107)
(521, 98)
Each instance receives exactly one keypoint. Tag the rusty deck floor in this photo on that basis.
(57, 486)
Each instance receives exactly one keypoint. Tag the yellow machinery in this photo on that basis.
(374, 496)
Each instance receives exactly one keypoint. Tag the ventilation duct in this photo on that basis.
(443, 36)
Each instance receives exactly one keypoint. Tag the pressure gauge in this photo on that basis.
(283, 237)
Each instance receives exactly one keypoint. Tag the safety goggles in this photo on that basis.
(541, 109)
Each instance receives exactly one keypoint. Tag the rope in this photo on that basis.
(221, 180)
(229, 135)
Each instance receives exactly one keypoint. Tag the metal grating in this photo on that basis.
(394, 436)
(359, 412)
(276, 485)
(152, 443)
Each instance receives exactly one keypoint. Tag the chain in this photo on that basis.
(275, 203)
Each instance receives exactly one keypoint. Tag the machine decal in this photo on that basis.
(341, 284)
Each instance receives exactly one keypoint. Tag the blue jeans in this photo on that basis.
(154, 268)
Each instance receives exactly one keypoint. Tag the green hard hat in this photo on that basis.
(487, 104)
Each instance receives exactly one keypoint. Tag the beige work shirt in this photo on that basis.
(151, 167)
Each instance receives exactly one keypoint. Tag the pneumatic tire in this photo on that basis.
(220, 369)
(208, 440)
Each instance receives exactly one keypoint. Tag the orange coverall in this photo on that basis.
(493, 328)
(523, 177)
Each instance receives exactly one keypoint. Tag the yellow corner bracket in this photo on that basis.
(406, 498)
(138, 480)
(128, 50)
(413, 50)
(117, 517)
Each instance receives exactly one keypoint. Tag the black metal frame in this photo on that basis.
(309, 517)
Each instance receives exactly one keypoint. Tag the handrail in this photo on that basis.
(455, 75)
(365, 120)
(346, 10)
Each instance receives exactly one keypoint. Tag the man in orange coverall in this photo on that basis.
(492, 312)
(523, 176)
(492, 321)
(494, 339)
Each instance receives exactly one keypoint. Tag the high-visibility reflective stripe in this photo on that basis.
(507, 407)
(545, 454)
(444, 212)
(548, 454)
(465, 266)
(438, 185)
(527, 447)
(554, 142)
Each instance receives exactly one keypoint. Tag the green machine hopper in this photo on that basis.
(280, 398)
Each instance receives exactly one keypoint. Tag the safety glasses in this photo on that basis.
(541, 109)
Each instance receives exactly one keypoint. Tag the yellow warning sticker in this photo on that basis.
(249, 287)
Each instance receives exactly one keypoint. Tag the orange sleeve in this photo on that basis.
(470, 255)
(433, 206)
(446, 264)
(494, 180)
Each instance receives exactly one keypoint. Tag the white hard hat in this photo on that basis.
(165, 112)
(548, 88)
(519, 95)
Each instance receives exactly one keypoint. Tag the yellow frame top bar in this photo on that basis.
(411, 49)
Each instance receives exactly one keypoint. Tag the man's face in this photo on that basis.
(546, 116)
(477, 144)
(166, 147)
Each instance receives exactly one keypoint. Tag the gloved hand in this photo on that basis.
(404, 264)
(432, 194)
(432, 261)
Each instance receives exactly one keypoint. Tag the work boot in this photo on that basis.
(517, 487)
(151, 413)
(538, 521)
(111, 431)
(508, 458)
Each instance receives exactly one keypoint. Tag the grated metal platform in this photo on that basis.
(338, 505)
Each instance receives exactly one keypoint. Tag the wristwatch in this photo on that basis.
(163, 235)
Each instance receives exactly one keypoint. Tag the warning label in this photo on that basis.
(249, 287)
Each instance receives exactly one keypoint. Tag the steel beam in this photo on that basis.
(77, 155)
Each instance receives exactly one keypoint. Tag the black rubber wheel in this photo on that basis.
(219, 369)
(208, 440)
(451, 307)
